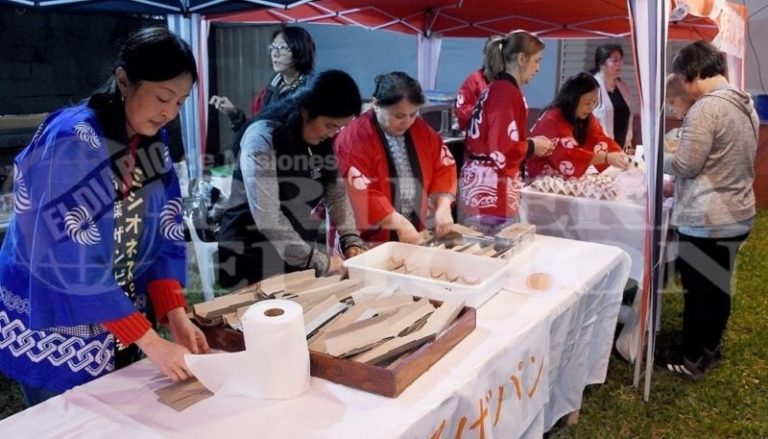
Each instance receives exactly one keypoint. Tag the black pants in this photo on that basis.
(706, 266)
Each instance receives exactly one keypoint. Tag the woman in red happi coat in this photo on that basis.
(478, 80)
(580, 141)
(496, 142)
(398, 170)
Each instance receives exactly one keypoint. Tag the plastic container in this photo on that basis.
(434, 273)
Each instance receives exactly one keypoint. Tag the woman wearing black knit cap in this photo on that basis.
(286, 166)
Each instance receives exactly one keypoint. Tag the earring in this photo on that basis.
(122, 98)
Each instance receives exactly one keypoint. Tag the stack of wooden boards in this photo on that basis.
(343, 318)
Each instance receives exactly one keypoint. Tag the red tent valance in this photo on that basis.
(473, 18)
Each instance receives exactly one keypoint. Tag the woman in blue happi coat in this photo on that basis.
(95, 247)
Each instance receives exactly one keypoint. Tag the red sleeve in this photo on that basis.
(360, 155)
(467, 97)
(257, 104)
(128, 329)
(598, 141)
(568, 158)
(166, 294)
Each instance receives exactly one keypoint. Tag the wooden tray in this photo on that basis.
(375, 379)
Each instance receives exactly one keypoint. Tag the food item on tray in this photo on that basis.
(597, 186)
(538, 281)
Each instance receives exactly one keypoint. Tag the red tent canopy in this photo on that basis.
(473, 18)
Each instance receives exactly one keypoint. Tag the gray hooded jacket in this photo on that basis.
(715, 161)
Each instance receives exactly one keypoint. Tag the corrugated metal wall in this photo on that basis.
(242, 66)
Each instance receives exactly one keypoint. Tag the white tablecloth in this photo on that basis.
(523, 367)
(622, 224)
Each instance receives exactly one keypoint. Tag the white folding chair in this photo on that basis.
(204, 253)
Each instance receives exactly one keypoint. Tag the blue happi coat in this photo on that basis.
(58, 281)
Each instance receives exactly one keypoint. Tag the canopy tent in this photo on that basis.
(649, 23)
(472, 18)
(432, 20)
(154, 7)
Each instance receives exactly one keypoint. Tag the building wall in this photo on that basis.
(49, 59)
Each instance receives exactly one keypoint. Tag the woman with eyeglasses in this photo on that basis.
(579, 139)
(613, 107)
(292, 54)
(285, 167)
(396, 166)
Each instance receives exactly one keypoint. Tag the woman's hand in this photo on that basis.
(542, 146)
(353, 251)
(336, 266)
(167, 356)
(186, 333)
(223, 104)
(443, 220)
(617, 159)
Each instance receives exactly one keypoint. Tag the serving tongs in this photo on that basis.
(459, 243)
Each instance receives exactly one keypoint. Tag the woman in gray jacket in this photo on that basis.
(714, 202)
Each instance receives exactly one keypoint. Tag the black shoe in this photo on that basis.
(712, 358)
(686, 368)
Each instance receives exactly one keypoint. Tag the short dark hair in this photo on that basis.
(152, 54)
(699, 59)
(302, 47)
(603, 52)
(331, 93)
(393, 87)
(567, 100)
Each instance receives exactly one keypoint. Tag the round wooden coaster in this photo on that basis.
(538, 281)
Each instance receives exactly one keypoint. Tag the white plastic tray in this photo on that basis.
(479, 278)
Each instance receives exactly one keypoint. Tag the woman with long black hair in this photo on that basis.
(579, 139)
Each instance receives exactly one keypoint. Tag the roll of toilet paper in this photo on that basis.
(275, 363)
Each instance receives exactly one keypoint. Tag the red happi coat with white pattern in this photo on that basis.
(496, 145)
(467, 96)
(569, 158)
(365, 163)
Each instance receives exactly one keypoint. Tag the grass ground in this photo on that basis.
(730, 402)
